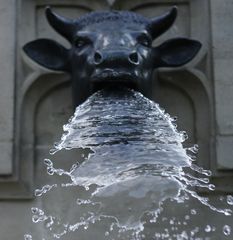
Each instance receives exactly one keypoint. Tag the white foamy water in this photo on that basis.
(137, 162)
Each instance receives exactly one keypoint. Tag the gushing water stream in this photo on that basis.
(135, 164)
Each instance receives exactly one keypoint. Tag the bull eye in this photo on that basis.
(81, 42)
(144, 40)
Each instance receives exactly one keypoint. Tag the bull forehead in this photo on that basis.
(113, 33)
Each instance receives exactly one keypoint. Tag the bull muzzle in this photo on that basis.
(115, 67)
(116, 58)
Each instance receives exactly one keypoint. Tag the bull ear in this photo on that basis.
(176, 52)
(48, 53)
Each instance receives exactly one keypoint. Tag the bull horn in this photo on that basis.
(159, 25)
(62, 25)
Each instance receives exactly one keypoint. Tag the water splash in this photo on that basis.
(226, 230)
(137, 163)
(230, 200)
(27, 237)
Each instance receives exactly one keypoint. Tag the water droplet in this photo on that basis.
(184, 136)
(195, 148)
(53, 151)
(35, 218)
(46, 188)
(50, 170)
(48, 162)
(192, 151)
(50, 223)
(27, 237)
(112, 227)
(221, 198)
(208, 228)
(174, 119)
(227, 230)
(194, 231)
(198, 169)
(211, 187)
(37, 211)
(171, 222)
(230, 200)
(74, 166)
(34, 210)
(207, 173)
(227, 212)
(193, 211)
(38, 192)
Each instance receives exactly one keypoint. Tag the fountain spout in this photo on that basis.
(111, 48)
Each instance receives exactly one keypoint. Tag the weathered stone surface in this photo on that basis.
(6, 158)
(14, 218)
(224, 92)
(225, 152)
(223, 62)
(223, 77)
(7, 80)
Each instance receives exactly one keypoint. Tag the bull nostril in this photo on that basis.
(133, 58)
(98, 58)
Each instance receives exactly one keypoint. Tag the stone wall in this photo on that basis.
(35, 102)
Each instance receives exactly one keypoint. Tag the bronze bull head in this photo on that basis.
(111, 48)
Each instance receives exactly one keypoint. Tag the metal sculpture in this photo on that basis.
(111, 48)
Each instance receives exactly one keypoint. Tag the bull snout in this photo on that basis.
(115, 68)
(111, 58)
